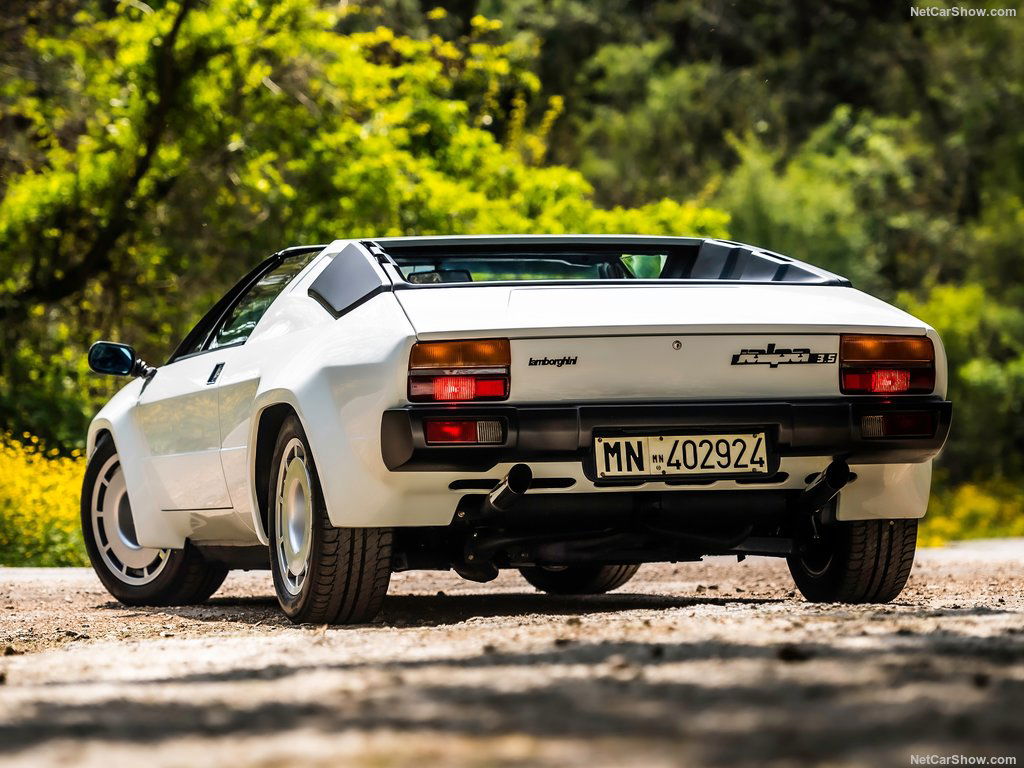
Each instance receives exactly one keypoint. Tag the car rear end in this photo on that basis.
(737, 402)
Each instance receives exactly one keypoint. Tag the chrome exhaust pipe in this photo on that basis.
(825, 487)
(509, 491)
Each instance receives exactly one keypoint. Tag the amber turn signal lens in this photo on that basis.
(888, 349)
(483, 353)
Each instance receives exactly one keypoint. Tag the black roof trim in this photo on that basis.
(692, 259)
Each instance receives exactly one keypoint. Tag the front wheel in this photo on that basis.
(133, 574)
(863, 561)
(322, 574)
(579, 579)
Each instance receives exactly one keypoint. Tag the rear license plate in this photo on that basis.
(738, 454)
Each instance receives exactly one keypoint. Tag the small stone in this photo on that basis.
(489, 648)
(701, 589)
(440, 593)
(3, 678)
(618, 661)
(905, 631)
(792, 653)
(791, 593)
(10, 650)
(561, 642)
(981, 680)
(573, 621)
(657, 651)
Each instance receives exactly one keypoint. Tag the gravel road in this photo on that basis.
(714, 663)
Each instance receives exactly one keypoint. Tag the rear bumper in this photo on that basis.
(534, 433)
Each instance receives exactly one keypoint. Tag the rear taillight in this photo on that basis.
(886, 365)
(459, 371)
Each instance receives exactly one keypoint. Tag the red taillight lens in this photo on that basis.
(459, 371)
(886, 365)
(450, 431)
(454, 388)
(878, 381)
(462, 431)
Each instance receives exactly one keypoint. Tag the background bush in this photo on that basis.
(151, 152)
(39, 510)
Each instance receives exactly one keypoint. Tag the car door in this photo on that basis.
(178, 413)
(238, 377)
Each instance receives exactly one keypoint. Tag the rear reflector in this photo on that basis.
(898, 424)
(886, 365)
(462, 431)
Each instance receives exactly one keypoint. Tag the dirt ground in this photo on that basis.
(716, 663)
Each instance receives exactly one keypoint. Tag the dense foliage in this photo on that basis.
(150, 152)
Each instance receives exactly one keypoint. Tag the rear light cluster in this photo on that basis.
(886, 365)
(459, 371)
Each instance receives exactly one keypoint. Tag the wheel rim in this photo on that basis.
(293, 512)
(114, 530)
(818, 556)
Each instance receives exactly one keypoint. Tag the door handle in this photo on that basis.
(215, 373)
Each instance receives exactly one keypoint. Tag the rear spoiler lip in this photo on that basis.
(672, 331)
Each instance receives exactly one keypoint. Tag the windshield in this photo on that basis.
(483, 268)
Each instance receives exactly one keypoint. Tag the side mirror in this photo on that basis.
(117, 360)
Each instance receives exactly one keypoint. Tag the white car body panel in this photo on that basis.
(528, 312)
(189, 448)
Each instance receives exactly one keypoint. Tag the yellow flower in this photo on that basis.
(39, 504)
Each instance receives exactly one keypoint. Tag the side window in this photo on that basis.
(247, 311)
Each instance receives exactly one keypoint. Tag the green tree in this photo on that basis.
(166, 147)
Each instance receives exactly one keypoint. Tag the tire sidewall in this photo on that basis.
(294, 605)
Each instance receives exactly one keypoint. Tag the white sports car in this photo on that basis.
(571, 407)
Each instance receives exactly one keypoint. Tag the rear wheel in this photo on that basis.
(133, 574)
(322, 574)
(579, 579)
(863, 561)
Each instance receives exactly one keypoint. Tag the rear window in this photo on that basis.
(477, 269)
(439, 261)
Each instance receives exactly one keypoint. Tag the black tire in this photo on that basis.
(864, 561)
(179, 576)
(347, 570)
(579, 579)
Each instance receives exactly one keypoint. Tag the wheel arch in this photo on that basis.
(97, 431)
(266, 425)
